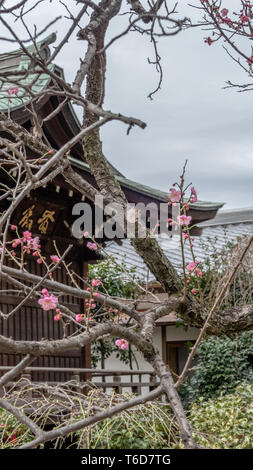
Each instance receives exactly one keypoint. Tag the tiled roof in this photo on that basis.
(232, 216)
(226, 226)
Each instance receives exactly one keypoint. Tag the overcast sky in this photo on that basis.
(192, 117)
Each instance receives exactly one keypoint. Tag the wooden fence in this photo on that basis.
(118, 380)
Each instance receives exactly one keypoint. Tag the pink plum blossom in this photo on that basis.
(12, 90)
(27, 235)
(174, 195)
(55, 259)
(92, 246)
(224, 12)
(121, 343)
(184, 219)
(49, 301)
(33, 243)
(191, 267)
(79, 317)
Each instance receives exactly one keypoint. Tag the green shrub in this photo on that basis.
(222, 364)
(225, 422)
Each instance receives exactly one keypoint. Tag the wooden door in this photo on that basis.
(176, 356)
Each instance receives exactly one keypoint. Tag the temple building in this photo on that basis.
(47, 213)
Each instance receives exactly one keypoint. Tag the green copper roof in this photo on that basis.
(16, 61)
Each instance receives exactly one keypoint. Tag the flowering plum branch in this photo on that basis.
(234, 29)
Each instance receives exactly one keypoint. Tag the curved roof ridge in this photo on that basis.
(43, 43)
(230, 216)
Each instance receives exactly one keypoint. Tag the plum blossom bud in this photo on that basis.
(194, 196)
(96, 282)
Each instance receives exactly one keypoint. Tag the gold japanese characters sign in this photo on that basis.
(26, 221)
(44, 220)
(38, 218)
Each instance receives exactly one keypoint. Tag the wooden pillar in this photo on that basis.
(117, 387)
(76, 380)
(137, 388)
(152, 380)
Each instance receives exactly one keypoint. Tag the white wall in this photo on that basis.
(172, 334)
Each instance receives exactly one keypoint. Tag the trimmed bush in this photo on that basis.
(223, 363)
(225, 422)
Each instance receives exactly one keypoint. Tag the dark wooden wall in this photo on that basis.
(32, 323)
